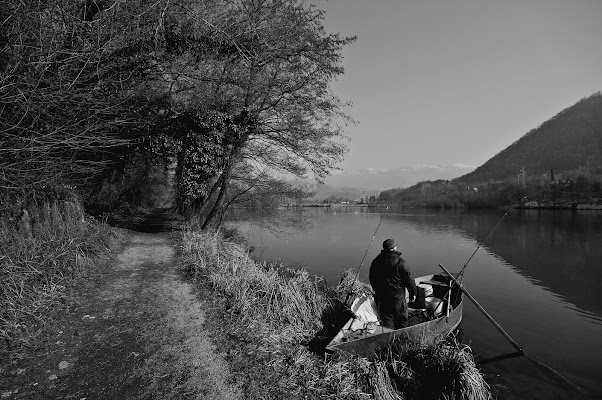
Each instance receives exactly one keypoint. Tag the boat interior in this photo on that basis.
(436, 297)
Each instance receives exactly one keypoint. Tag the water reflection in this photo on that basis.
(538, 274)
(558, 251)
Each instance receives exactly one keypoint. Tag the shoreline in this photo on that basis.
(275, 323)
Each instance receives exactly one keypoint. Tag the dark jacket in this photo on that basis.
(389, 276)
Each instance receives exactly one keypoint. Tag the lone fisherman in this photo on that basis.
(389, 277)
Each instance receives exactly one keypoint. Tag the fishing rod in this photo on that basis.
(458, 281)
(499, 222)
(460, 275)
(365, 254)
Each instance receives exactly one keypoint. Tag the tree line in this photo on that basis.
(566, 190)
(233, 93)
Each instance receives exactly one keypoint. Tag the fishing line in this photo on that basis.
(460, 275)
(520, 351)
(499, 222)
(365, 254)
(487, 236)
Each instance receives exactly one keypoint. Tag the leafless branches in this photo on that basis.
(68, 98)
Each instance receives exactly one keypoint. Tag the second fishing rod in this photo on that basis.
(365, 254)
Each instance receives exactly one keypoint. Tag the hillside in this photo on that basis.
(568, 141)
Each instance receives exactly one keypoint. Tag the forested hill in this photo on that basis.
(568, 141)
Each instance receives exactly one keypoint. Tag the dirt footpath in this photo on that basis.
(135, 331)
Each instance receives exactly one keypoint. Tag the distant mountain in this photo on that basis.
(570, 140)
(376, 180)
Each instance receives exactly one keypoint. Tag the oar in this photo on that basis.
(503, 332)
(500, 358)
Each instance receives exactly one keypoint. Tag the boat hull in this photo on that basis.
(365, 341)
(429, 332)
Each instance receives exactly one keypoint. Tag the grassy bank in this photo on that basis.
(273, 323)
(44, 249)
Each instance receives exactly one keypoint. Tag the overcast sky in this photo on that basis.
(457, 81)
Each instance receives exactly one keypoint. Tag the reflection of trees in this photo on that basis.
(427, 220)
(553, 249)
(556, 250)
(280, 222)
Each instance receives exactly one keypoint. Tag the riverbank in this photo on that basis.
(129, 327)
(273, 324)
(533, 205)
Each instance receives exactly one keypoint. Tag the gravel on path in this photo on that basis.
(134, 331)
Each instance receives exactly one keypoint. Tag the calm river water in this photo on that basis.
(539, 275)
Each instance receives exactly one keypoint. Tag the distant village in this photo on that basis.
(343, 201)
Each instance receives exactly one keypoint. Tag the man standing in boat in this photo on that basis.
(390, 277)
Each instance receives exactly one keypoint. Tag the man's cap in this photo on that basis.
(389, 244)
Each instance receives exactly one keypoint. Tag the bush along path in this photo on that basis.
(133, 331)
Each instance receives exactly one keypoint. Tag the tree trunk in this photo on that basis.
(225, 183)
(223, 187)
(197, 208)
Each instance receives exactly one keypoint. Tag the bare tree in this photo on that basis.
(71, 94)
(215, 85)
(266, 67)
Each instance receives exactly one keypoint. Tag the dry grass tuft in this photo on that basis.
(349, 287)
(441, 371)
(39, 259)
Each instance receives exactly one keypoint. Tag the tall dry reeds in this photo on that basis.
(43, 247)
(277, 309)
(269, 297)
(280, 310)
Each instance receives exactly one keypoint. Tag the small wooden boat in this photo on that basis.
(436, 312)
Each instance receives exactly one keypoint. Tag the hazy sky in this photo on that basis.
(457, 81)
